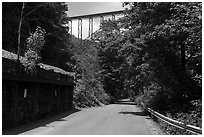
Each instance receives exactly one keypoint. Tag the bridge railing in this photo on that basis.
(190, 128)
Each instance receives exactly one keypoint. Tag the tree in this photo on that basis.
(89, 90)
(34, 45)
(153, 44)
(50, 16)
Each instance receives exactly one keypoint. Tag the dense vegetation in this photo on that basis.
(43, 31)
(152, 55)
(51, 17)
(89, 90)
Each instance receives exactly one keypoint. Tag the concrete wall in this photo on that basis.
(24, 102)
(27, 97)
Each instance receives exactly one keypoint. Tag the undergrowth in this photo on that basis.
(189, 113)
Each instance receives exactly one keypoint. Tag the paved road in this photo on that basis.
(123, 118)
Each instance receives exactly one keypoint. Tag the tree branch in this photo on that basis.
(34, 9)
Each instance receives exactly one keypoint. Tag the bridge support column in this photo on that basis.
(113, 17)
(90, 26)
(70, 27)
(101, 19)
(80, 29)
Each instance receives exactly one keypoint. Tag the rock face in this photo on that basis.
(31, 96)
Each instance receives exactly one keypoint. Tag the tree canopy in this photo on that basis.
(156, 46)
(154, 55)
(52, 17)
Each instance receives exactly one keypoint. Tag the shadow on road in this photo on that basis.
(134, 113)
(125, 103)
(39, 123)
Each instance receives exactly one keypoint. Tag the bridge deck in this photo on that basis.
(97, 14)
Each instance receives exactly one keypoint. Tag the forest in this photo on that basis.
(152, 55)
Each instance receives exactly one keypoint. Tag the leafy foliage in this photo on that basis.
(89, 89)
(51, 16)
(60, 49)
(34, 45)
(154, 55)
(151, 46)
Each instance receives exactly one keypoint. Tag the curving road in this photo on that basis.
(123, 118)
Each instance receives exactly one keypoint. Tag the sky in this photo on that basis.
(84, 8)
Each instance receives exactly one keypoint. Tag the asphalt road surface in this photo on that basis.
(122, 118)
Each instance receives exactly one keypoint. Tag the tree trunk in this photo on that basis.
(19, 32)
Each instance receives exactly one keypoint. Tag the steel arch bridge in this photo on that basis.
(91, 18)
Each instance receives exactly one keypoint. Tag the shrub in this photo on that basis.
(34, 45)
